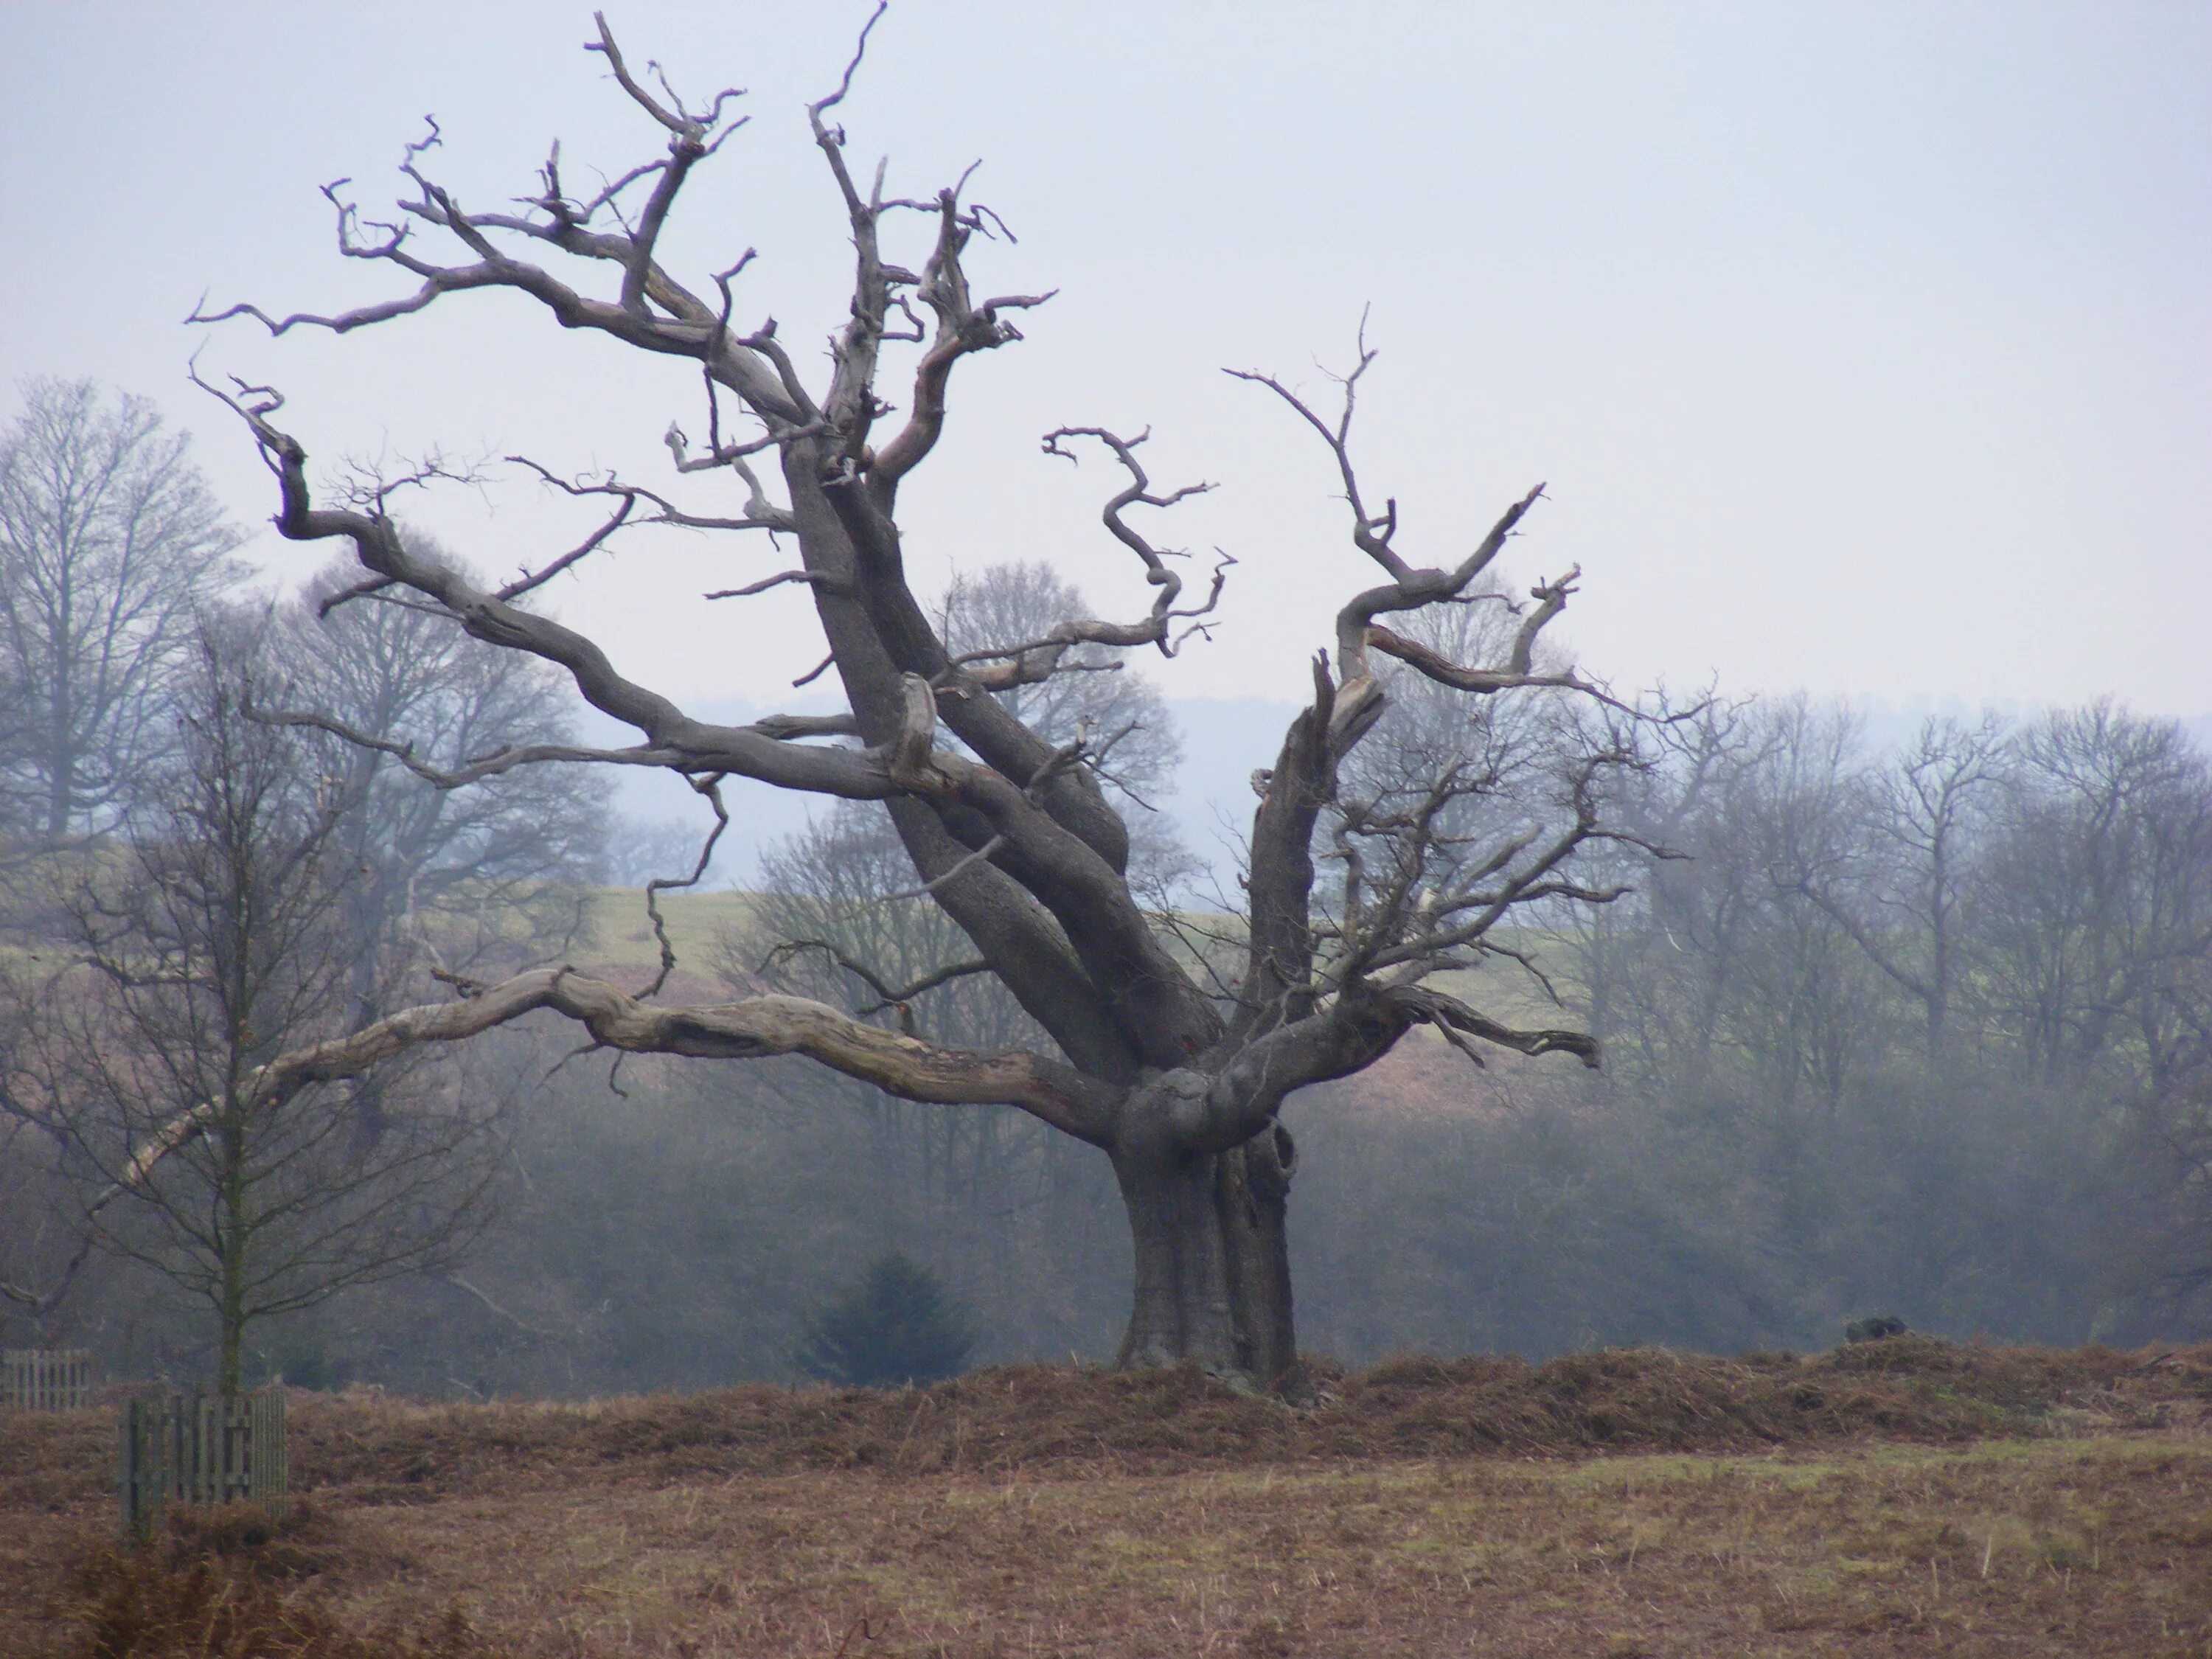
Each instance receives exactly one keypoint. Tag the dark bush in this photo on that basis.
(896, 1325)
(1874, 1330)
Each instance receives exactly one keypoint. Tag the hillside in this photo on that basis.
(618, 933)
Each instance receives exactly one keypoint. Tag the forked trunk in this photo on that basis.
(1212, 1260)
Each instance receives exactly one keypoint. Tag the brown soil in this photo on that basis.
(1901, 1497)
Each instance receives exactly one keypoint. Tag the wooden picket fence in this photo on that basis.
(46, 1379)
(199, 1448)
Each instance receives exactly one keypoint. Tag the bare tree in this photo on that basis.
(152, 1052)
(635, 850)
(1894, 876)
(109, 541)
(1718, 964)
(41, 1253)
(2097, 898)
(1175, 1074)
(1089, 690)
(1612, 947)
(1092, 694)
(829, 922)
(448, 879)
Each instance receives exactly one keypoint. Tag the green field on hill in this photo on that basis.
(620, 936)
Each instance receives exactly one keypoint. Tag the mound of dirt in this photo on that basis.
(1907, 1388)
(376, 1450)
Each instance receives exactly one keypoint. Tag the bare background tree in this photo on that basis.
(110, 543)
(44, 1249)
(635, 850)
(217, 942)
(454, 879)
(1936, 1013)
(1707, 1195)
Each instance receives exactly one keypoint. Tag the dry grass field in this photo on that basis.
(1905, 1497)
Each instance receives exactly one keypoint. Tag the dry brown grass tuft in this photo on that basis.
(232, 1583)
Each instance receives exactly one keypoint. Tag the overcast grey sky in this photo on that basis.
(1864, 347)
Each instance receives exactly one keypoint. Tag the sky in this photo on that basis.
(1863, 349)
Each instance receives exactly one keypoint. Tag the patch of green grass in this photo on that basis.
(620, 933)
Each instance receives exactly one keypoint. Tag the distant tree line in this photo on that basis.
(1921, 1029)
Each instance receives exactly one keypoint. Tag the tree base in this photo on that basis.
(1212, 1280)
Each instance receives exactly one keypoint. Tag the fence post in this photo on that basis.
(271, 1464)
(127, 1465)
(199, 1448)
(46, 1379)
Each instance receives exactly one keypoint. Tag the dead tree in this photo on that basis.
(1171, 1060)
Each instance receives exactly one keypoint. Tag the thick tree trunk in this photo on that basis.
(1252, 1198)
(1213, 1259)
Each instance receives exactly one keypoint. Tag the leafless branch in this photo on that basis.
(515, 1320)
(753, 1028)
(786, 728)
(982, 855)
(1370, 532)
(809, 578)
(583, 550)
(492, 765)
(760, 513)
(898, 999)
(710, 787)
(1033, 661)
(346, 595)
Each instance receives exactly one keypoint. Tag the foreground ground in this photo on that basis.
(1902, 1498)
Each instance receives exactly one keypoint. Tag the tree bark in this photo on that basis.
(1210, 1251)
(1252, 1199)
(230, 1302)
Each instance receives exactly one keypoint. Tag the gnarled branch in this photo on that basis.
(751, 1029)
(1034, 661)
